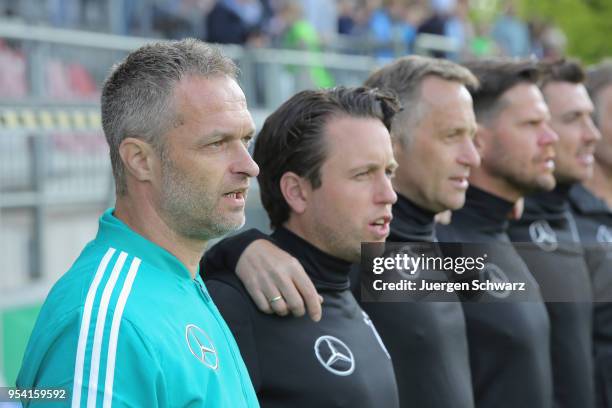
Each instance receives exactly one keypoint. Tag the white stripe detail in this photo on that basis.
(100, 321)
(114, 333)
(84, 330)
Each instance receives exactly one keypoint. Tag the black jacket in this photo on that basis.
(509, 338)
(294, 362)
(548, 242)
(594, 221)
(427, 340)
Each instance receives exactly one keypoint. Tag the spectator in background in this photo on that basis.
(295, 32)
(323, 16)
(511, 34)
(346, 17)
(482, 44)
(170, 18)
(166, 18)
(536, 30)
(554, 41)
(459, 28)
(64, 13)
(393, 27)
(438, 22)
(235, 21)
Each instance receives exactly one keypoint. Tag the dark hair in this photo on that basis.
(291, 138)
(598, 78)
(137, 97)
(405, 75)
(496, 76)
(562, 70)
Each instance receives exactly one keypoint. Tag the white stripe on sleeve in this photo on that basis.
(84, 330)
(114, 333)
(100, 321)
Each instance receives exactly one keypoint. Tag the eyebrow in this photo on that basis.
(374, 166)
(224, 135)
(578, 112)
(458, 129)
(536, 118)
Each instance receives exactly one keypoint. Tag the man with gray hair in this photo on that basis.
(131, 323)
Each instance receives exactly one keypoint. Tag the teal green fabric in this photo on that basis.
(16, 325)
(127, 326)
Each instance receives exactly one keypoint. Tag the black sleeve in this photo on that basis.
(237, 312)
(226, 253)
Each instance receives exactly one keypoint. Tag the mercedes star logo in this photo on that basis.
(604, 235)
(543, 235)
(334, 355)
(411, 274)
(494, 274)
(201, 346)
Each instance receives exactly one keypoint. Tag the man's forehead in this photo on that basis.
(434, 84)
(217, 93)
(523, 98)
(451, 109)
(567, 96)
(521, 92)
(344, 128)
(351, 141)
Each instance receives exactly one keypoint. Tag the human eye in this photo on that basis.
(217, 144)
(534, 122)
(453, 135)
(572, 117)
(247, 141)
(362, 175)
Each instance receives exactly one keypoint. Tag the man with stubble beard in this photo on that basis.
(508, 332)
(554, 253)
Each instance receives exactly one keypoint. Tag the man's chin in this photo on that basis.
(228, 225)
(452, 203)
(233, 225)
(541, 184)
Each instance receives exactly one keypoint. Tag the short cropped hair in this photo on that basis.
(292, 137)
(496, 76)
(405, 75)
(598, 77)
(138, 96)
(563, 70)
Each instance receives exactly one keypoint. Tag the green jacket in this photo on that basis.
(127, 326)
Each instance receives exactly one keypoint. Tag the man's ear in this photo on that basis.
(138, 158)
(398, 145)
(296, 191)
(480, 139)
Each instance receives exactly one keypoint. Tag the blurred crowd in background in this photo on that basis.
(383, 28)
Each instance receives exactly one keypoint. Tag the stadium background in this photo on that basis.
(55, 176)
